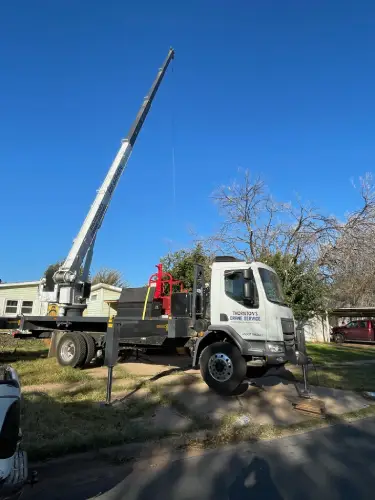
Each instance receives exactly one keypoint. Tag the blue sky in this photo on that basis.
(285, 89)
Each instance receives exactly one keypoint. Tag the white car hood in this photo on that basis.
(8, 394)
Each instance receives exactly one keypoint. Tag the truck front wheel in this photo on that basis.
(223, 368)
(72, 350)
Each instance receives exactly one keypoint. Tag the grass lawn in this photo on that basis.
(29, 358)
(62, 411)
(333, 353)
(57, 422)
(347, 377)
(351, 378)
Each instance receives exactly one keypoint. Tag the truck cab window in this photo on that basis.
(234, 287)
(272, 286)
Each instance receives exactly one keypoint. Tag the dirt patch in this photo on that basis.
(45, 388)
(99, 372)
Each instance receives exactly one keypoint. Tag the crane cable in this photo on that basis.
(173, 138)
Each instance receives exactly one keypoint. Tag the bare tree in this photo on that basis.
(349, 261)
(255, 224)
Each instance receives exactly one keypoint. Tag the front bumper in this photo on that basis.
(11, 487)
(276, 358)
(262, 350)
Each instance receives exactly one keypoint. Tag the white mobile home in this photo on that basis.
(22, 298)
(99, 303)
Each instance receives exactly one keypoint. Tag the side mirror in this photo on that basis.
(248, 286)
(248, 274)
(247, 291)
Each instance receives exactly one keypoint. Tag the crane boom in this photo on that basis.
(69, 287)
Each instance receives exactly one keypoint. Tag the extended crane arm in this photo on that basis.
(69, 272)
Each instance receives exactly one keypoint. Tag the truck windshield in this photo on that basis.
(272, 286)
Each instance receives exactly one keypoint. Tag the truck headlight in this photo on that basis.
(273, 347)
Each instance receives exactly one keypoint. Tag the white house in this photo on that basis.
(22, 298)
(316, 329)
(99, 303)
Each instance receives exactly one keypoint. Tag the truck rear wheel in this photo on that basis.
(223, 368)
(72, 350)
(91, 348)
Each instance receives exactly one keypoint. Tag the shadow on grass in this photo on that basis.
(20, 355)
(308, 466)
(73, 420)
(54, 427)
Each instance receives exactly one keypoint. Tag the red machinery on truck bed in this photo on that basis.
(164, 286)
(160, 314)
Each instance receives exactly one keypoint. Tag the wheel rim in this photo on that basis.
(67, 351)
(220, 367)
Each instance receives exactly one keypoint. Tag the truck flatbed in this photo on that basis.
(47, 324)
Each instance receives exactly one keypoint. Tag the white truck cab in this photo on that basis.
(251, 327)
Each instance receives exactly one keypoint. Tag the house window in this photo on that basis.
(27, 307)
(11, 307)
(94, 297)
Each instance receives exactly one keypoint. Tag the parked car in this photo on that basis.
(13, 460)
(362, 330)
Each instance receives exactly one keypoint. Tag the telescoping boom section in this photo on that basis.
(71, 286)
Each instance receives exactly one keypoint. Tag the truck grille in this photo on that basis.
(287, 326)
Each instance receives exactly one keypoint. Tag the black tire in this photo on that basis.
(75, 343)
(339, 338)
(91, 348)
(224, 361)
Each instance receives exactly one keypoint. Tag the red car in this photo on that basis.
(361, 330)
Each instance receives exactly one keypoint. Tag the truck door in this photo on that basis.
(247, 319)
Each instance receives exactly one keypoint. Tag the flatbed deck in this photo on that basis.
(48, 324)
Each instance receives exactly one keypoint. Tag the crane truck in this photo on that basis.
(238, 322)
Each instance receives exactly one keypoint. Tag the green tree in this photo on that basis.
(305, 290)
(181, 264)
(49, 272)
(110, 277)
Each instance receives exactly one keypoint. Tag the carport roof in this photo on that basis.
(353, 312)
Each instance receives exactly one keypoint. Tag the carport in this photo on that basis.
(350, 312)
(318, 328)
